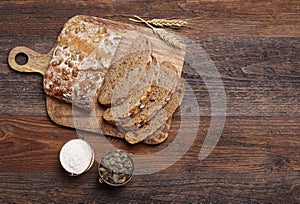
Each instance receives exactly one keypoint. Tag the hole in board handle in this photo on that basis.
(21, 58)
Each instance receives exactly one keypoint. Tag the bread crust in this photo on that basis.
(80, 59)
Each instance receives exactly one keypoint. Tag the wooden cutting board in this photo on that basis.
(63, 113)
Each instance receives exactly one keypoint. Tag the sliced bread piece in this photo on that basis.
(159, 97)
(135, 101)
(159, 135)
(136, 62)
(159, 119)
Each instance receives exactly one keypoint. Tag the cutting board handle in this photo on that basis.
(36, 62)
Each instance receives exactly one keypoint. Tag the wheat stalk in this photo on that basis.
(162, 22)
(169, 38)
(163, 34)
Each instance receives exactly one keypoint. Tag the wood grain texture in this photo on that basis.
(249, 164)
(254, 46)
(214, 17)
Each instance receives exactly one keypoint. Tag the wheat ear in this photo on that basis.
(164, 35)
(162, 22)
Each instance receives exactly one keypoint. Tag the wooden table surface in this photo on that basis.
(255, 47)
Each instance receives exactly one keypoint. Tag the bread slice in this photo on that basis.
(135, 101)
(126, 73)
(159, 119)
(81, 56)
(159, 135)
(159, 97)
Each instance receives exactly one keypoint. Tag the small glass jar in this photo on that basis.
(116, 168)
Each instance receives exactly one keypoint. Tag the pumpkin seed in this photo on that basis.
(112, 162)
(102, 169)
(118, 160)
(116, 154)
(122, 180)
(119, 166)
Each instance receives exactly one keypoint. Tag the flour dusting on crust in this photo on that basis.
(81, 57)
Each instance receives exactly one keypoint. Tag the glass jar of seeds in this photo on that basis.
(116, 168)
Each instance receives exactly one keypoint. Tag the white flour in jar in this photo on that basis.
(76, 156)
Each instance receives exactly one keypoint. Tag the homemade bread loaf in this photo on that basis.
(159, 97)
(124, 75)
(80, 59)
(159, 119)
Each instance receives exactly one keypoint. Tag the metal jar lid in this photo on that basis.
(76, 156)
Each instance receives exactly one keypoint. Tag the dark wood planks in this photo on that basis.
(219, 188)
(214, 18)
(251, 163)
(255, 47)
(252, 143)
